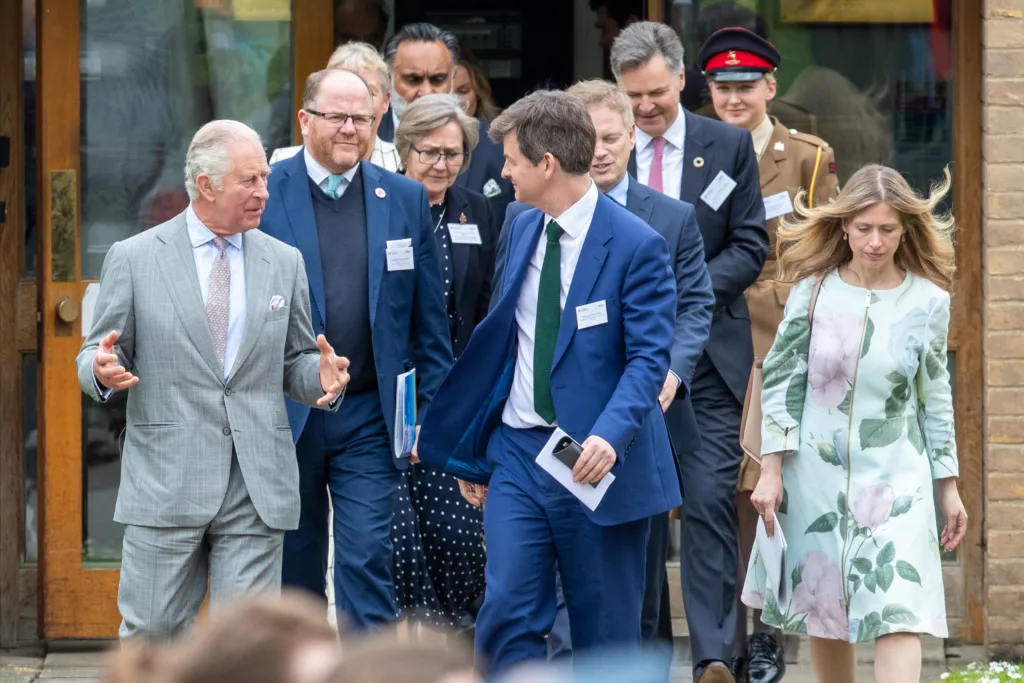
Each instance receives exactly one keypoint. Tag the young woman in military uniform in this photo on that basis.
(740, 68)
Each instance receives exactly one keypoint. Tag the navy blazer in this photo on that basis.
(605, 379)
(485, 166)
(735, 239)
(408, 320)
(472, 265)
(676, 222)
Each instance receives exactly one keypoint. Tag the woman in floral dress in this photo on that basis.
(857, 424)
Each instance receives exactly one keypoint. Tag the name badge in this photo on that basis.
(777, 205)
(464, 233)
(591, 315)
(718, 191)
(400, 259)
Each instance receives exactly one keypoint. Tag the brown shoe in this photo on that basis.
(714, 672)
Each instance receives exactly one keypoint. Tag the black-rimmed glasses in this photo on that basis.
(338, 119)
(430, 156)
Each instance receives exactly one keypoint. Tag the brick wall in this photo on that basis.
(1003, 226)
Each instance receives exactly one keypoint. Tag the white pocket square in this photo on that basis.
(276, 302)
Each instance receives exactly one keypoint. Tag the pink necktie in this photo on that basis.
(655, 180)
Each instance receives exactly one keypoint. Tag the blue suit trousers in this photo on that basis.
(346, 455)
(532, 522)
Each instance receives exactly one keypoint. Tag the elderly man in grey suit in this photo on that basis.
(205, 321)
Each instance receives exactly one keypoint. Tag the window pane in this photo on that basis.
(152, 73)
(28, 30)
(875, 86)
(30, 440)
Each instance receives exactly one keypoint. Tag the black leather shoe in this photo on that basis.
(765, 661)
(738, 668)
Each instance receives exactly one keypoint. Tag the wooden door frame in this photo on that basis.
(967, 322)
(75, 602)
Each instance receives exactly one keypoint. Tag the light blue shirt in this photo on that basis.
(205, 252)
(320, 175)
(621, 191)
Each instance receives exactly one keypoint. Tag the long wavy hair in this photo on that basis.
(810, 242)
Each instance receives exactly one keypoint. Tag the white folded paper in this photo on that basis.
(589, 495)
(773, 554)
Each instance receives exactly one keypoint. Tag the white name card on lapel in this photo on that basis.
(464, 233)
(718, 191)
(399, 254)
(591, 315)
(777, 205)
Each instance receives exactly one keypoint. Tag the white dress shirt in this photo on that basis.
(319, 175)
(519, 412)
(205, 252)
(672, 157)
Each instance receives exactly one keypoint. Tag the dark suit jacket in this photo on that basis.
(735, 239)
(408, 320)
(676, 222)
(473, 265)
(485, 166)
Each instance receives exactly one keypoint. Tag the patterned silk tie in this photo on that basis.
(654, 180)
(218, 300)
(549, 315)
(335, 186)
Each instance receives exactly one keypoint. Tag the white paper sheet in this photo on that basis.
(588, 495)
(773, 554)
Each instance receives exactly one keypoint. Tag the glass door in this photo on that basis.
(122, 87)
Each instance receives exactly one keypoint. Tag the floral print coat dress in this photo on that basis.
(861, 402)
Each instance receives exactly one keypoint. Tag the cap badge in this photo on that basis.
(731, 60)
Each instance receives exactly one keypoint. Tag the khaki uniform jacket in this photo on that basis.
(792, 162)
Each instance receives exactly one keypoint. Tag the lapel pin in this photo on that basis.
(462, 217)
(698, 162)
(780, 146)
(379, 192)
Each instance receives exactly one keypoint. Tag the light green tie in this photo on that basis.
(335, 186)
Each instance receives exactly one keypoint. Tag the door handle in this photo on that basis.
(67, 310)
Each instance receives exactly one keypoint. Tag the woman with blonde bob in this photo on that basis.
(857, 424)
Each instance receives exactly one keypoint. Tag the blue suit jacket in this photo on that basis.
(486, 164)
(735, 239)
(605, 379)
(408, 319)
(676, 222)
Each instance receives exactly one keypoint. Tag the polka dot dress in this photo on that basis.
(439, 554)
(437, 536)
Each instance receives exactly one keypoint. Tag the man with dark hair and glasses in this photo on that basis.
(422, 59)
(375, 287)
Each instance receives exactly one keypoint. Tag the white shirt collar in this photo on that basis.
(199, 234)
(318, 174)
(621, 191)
(676, 133)
(576, 219)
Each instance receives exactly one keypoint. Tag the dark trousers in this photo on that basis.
(346, 455)
(708, 544)
(532, 523)
(656, 617)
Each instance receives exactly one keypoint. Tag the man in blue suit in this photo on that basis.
(580, 339)
(422, 59)
(375, 290)
(711, 165)
(612, 116)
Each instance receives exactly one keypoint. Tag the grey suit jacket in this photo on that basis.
(183, 419)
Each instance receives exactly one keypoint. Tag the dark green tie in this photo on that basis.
(549, 314)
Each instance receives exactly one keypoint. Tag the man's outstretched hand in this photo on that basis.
(333, 372)
(107, 367)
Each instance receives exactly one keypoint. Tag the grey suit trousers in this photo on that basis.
(164, 570)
